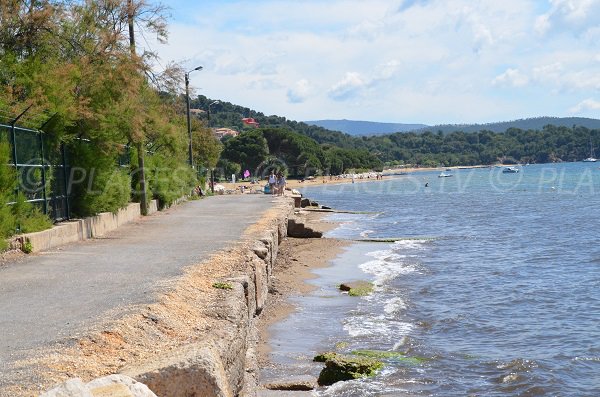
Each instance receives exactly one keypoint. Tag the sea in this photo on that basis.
(485, 284)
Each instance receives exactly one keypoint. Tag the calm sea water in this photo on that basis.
(493, 284)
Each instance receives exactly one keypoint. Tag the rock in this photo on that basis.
(192, 372)
(390, 356)
(297, 383)
(323, 357)
(71, 388)
(357, 288)
(299, 230)
(324, 207)
(314, 204)
(260, 250)
(108, 386)
(339, 368)
(119, 386)
(280, 393)
(304, 203)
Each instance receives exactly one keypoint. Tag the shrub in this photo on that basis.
(98, 185)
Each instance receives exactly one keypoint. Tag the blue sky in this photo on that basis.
(411, 61)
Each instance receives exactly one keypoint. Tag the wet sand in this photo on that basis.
(296, 260)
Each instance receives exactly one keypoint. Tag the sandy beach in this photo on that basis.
(370, 177)
(296, 260)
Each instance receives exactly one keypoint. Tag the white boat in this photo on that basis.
(591, 159)
(444, 175)
(510, 170)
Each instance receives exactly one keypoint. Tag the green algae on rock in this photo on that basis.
(390, 356)
(339, 367)
(357, 288)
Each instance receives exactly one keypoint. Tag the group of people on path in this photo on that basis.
(277, 183)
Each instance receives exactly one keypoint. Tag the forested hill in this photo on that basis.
(532, 140)
(369, 128)
(365, 128)
(536, 123)
(228, 115)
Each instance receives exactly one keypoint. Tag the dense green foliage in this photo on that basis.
(551, 144)
(72, 68)
(225, 114)
(19, 215)
(341, 152)
(263, 149)
(534, 123)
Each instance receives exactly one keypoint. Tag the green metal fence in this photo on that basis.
(42, 170)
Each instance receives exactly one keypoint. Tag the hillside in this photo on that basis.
(536, 123)
(365, 128)
(370, 128)
(536, 140)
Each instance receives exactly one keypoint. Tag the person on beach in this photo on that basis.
(272, 182)
(280, 184)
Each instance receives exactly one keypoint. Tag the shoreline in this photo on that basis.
(359, 178)
(297, 260)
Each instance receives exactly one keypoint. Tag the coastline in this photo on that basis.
(297, 259)
(359, 178)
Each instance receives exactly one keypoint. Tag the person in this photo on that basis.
(280, 184)
(272, 182)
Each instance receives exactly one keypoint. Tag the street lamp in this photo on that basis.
(189, 122)
(208, 110)
(212, 174)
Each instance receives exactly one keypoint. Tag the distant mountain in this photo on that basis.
(365, 128)
(536, 123)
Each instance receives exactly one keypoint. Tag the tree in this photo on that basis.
(249, 149)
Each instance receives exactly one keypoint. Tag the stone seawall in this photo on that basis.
(223, 363)
(198, 340)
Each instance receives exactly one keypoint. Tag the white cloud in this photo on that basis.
(542, 24)
(548, 73)
(585, 105)
(573, 16)
(349, 86)
(337, 58)
(511, 77)
(299, 92)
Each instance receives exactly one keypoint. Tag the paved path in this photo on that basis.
(53, 295)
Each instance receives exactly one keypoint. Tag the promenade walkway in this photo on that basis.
(55, 295)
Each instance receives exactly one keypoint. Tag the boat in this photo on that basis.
(510, 170)
(591, 159)
(444, 175)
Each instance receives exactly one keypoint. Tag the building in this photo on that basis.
(222, 132)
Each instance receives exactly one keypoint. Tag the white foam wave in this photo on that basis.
(402, 342)
(385, 270)
(409, 244)
(394, 305)
(376, 325)
(365, 233)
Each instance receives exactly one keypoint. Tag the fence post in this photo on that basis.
(65, 181)
(41, 139)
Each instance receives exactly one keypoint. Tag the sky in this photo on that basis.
(405, 61)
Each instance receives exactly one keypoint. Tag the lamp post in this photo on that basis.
(212, 174)
(208, 110)
(189, 122)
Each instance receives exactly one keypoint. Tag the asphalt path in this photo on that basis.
(54, 295)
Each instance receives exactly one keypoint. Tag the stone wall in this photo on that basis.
(225, 363)
(80, 229)
(219, 359)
